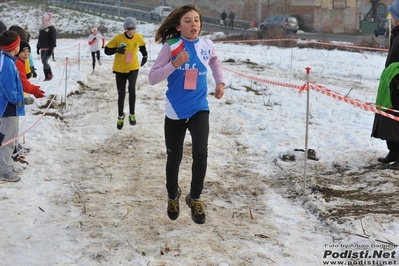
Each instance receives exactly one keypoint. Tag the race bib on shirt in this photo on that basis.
(190, 79)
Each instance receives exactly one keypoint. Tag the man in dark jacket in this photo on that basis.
(223, 17)
(384, 127)
(231, 17)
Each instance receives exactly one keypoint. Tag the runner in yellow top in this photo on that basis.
(126, 66)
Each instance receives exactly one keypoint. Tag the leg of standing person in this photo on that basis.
(9, 128)
(93, 57)
(121, 79)
(98, 57)
(45, 56)
(393, 153)
(132, 95)
(175, 132)
(394, 150)
(52, 55)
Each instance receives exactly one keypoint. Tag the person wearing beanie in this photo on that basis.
(46, 43)
(11, 103)
(29, 65)
(384, 127)
(96, 41)
(22, 57)
(126, 66)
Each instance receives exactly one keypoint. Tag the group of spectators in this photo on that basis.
(223, 17)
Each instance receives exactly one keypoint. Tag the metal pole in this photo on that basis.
(307, 128)
(66, 80)
(259, 12)
(119, 9)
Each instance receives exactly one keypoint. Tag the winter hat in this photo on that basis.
(46, 19)
(129, 23)
(94, 29)
(22, 46)
(394, 9)
(14, 44)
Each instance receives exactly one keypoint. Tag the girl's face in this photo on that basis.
(190, 25)
(130, 32)
(24, 55)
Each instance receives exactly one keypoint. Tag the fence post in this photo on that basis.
(79, 57)
(307, 127)
(66, 80)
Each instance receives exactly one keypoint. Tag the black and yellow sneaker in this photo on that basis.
(173, 206)
(119, 124)
(197, 209)
(132, 119)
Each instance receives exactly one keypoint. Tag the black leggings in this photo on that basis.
(175, 132)
(93, 56)
(121, 79)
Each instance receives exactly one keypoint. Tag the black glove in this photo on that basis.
(143, 60)
(121, 50)
(38, 51)
(33, 70)
(94, 38)
(102, 47)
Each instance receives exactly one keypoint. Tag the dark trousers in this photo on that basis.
(93, 56)
(45, 56)
(121, 79)
(175, 132)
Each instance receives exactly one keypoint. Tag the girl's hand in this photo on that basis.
(219, 91)
(181, 58)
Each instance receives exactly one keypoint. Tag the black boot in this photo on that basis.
(45, 74)
(395, 165)
(389, 159)
(49, 74)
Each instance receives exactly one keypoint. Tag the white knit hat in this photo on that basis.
(129, 23)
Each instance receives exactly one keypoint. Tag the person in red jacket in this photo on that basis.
(22, 56)
(96, 42)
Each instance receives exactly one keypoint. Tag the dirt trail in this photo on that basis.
(121, 193)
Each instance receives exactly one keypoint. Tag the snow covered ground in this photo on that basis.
(94, 195)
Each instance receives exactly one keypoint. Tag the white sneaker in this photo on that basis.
(17, 169)
(10, 177)
(22, 149)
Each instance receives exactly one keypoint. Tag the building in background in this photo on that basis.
(327, 16)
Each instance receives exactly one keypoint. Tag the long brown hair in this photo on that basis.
(167, 29)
